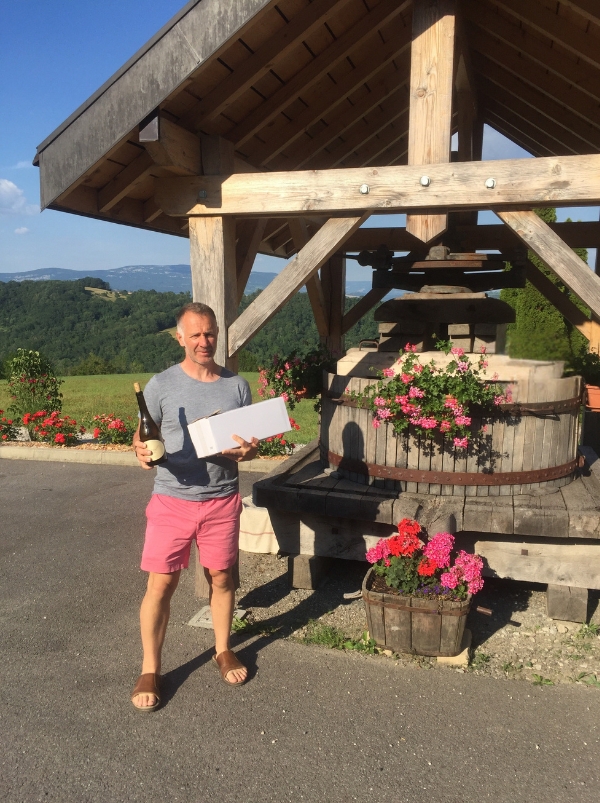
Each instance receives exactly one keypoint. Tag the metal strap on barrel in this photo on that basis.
(516, 409)
(451, 477)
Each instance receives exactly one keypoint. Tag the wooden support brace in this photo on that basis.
(300, 237)
(559, 299)
(360, 309)
(556, 255)
(172, 146)
(333, 282)
(249, 237)
(304, 265)
(431, 79)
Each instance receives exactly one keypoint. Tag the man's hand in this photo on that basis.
(245, 450)
(143, 454)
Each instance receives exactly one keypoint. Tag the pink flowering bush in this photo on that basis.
(424, 568)
(277, 446)
(111, 429)
(434, 400)
(51, 428)
(294, 377)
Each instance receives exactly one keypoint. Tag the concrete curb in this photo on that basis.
(108, 458)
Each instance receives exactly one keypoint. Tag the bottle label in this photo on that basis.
(157, 448)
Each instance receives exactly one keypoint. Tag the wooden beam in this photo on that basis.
(556, 255)
(517, 38)
(300, 238)
(489, 237)
(305, 264)
(249, 237)
(314, 70)
(362, 306)
(151, 211)
(174, 148)
(212, 254)
(299, 27)
(560, 300)
(394, 50)
(333, 282)
(587, 8)
(556, 181)
(574, 39)
(123, 182)
(431, 79)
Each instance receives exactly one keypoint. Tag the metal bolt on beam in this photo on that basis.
(490, 183)
(425, 181)
(364, 189)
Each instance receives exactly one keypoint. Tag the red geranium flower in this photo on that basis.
(427, 567)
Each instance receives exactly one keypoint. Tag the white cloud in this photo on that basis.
(13, 201)
(21, 230)
(22, 165)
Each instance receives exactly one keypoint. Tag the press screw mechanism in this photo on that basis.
(364, 189)
(490, 183)
(425, 181)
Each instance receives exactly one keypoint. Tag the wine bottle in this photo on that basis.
(149, 432)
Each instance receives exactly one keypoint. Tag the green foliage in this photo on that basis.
(540, 332)
(32, 383)
(74, 326)
(332, 637)
(588, 365)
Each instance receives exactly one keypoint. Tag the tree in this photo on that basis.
(540, 332)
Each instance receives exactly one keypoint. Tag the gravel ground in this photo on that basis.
(517, 642)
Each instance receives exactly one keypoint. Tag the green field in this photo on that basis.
(86, 396)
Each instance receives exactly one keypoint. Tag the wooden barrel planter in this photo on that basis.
(527, 446)
(414, 624)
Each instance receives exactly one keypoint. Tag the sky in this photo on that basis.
(54, 55)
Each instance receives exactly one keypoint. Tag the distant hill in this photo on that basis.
(162, 278)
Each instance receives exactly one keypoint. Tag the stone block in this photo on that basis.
(567, 603)
(307, 571)
(462, 659)
(459, 330)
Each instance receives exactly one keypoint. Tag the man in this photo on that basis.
(192, 499)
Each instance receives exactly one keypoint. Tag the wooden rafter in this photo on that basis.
(326, 102)
(431, 81)
(533, 85)
(314, 70)
(556, 255)
(173, 147)
(123, 182)
(560, 181)
(583, 45)
(305, 264)
(511, 133)
(517, 38)
(344, 119)
(300, 26)
(587, 8)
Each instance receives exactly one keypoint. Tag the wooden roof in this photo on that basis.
(295, 85)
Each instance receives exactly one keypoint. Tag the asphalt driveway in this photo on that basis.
(312, 724)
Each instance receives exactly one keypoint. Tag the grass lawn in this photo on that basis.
(86, 396)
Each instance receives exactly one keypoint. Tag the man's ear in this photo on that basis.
(179, 338)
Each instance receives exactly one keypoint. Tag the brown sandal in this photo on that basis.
(148, 683)
(227, 661)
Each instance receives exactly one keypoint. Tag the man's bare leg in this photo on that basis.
(222, 603)
(154, 618)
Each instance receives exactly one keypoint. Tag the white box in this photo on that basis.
(262, 420)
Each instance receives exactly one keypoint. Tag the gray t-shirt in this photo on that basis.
(174, 400)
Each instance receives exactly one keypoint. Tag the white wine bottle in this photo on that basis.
(149, 432)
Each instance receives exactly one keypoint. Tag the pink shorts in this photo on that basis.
(174, 523)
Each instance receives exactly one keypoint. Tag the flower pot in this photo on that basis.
(414, 624)
(592, 398)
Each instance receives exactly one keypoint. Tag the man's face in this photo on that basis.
(197, 334)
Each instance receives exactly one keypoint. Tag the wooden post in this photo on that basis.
(212, 252)
(333, 283)
(430, 116)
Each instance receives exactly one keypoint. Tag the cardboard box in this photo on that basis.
(212, 435)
